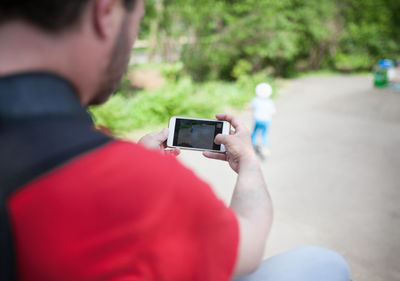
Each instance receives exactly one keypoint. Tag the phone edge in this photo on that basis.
(171, 132)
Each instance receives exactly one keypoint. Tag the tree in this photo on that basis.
(225, 38)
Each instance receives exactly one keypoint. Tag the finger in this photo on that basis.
(221, 139)
(164, 145)
(173, 152)
(231, 119)
(214, 155)
(160, 137)
(176, 151)
(163, 135)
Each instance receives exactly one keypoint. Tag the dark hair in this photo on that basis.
(50, 15)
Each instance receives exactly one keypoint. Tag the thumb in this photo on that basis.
(163, 135)
(221, 139)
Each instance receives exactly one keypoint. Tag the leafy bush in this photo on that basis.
(229, 38)
(351, 62)
(241, 68)
(248, 35)
(125, 112)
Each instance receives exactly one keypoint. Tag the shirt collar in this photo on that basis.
(29, 95)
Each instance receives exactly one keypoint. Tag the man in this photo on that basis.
(78, 205)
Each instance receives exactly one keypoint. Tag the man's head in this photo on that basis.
(89, 41)
(50, 15)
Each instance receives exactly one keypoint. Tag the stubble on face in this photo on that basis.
(117, 65)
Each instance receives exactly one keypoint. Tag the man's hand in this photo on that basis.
(158, 140)
(239, 148)
(250, 199)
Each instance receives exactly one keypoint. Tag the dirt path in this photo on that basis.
(334, 172)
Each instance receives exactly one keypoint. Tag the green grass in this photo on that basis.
(323, 72)
(126, 111)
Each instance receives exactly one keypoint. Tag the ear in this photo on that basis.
(107, 17)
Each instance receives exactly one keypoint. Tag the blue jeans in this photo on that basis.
(261, 126)
(307, 263)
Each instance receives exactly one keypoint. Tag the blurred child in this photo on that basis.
(263, 109)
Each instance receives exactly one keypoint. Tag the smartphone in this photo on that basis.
(196, 134)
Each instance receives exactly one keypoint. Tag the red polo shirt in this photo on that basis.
(122, 213)
(82, 207)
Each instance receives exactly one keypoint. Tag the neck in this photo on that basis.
(25, 48)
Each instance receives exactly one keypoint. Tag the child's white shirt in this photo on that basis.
(263, 109)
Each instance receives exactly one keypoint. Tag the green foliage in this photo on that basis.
(370, 33)
(145, 25)
(230, 38)
(125, 112)
(241, 68)
(260, 33)
(352, 62)
(228, 46)
(172, 71)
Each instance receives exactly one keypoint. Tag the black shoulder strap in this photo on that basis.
(29, 148)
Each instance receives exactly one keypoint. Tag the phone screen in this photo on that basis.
(197, 133)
